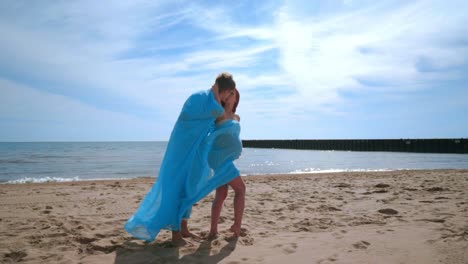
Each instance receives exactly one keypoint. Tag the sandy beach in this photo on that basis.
(365, 217)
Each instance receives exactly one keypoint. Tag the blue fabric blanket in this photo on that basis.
(199, 158)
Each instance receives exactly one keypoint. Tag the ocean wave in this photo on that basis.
(40, 180)
(310, 171)
(16, 161)
(58, 179)
(315, 170)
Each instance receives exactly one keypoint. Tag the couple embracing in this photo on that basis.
(199, 159)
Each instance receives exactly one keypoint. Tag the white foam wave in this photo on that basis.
(56, 179)
(40, 180)
(316, 170)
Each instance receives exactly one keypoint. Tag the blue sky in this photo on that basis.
(89, 71)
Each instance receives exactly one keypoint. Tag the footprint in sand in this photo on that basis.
(246, 241)
(342, 185)
(382, 185)
(324, 207)
(289, 248)
(388, 211)
(330, 259)
(281, 218)
(432, 220)
(361, 245)
(426, 201)
(380, 191)
(15, 256)
(292, 207)
(337, 235)
(436, 189)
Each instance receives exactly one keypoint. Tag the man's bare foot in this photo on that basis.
(178, 240)
(189, 234)
(192, 235)
(236, 230)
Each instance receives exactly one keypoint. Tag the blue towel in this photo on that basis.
(199, 158)
(214, 163)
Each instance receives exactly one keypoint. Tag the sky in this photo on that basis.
(121, 70)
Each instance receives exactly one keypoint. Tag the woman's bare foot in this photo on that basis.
(236, 230)
(212, 235)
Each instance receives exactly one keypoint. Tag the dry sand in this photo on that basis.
(375, 217)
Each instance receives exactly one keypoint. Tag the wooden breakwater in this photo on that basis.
(445, 145)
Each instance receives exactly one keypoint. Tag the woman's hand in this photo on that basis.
(215, 90)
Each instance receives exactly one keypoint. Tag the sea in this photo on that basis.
(75, 161)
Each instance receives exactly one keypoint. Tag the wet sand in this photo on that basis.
(365, 217)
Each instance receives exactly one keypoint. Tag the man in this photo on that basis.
(163, 207)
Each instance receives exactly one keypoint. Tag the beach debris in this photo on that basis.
(388, 211)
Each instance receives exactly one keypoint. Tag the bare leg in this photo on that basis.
(221, 194)
(239, 203)
(177, 239)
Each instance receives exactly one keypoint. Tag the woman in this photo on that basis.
(217, 170)
(222, 150)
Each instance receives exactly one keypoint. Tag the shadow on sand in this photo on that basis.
(166, 253)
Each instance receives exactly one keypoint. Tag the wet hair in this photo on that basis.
(225, 82)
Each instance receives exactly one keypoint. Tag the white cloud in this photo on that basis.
(44, 116)
(332, 54)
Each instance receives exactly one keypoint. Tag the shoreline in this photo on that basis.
(403, 216)
(71, 180)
